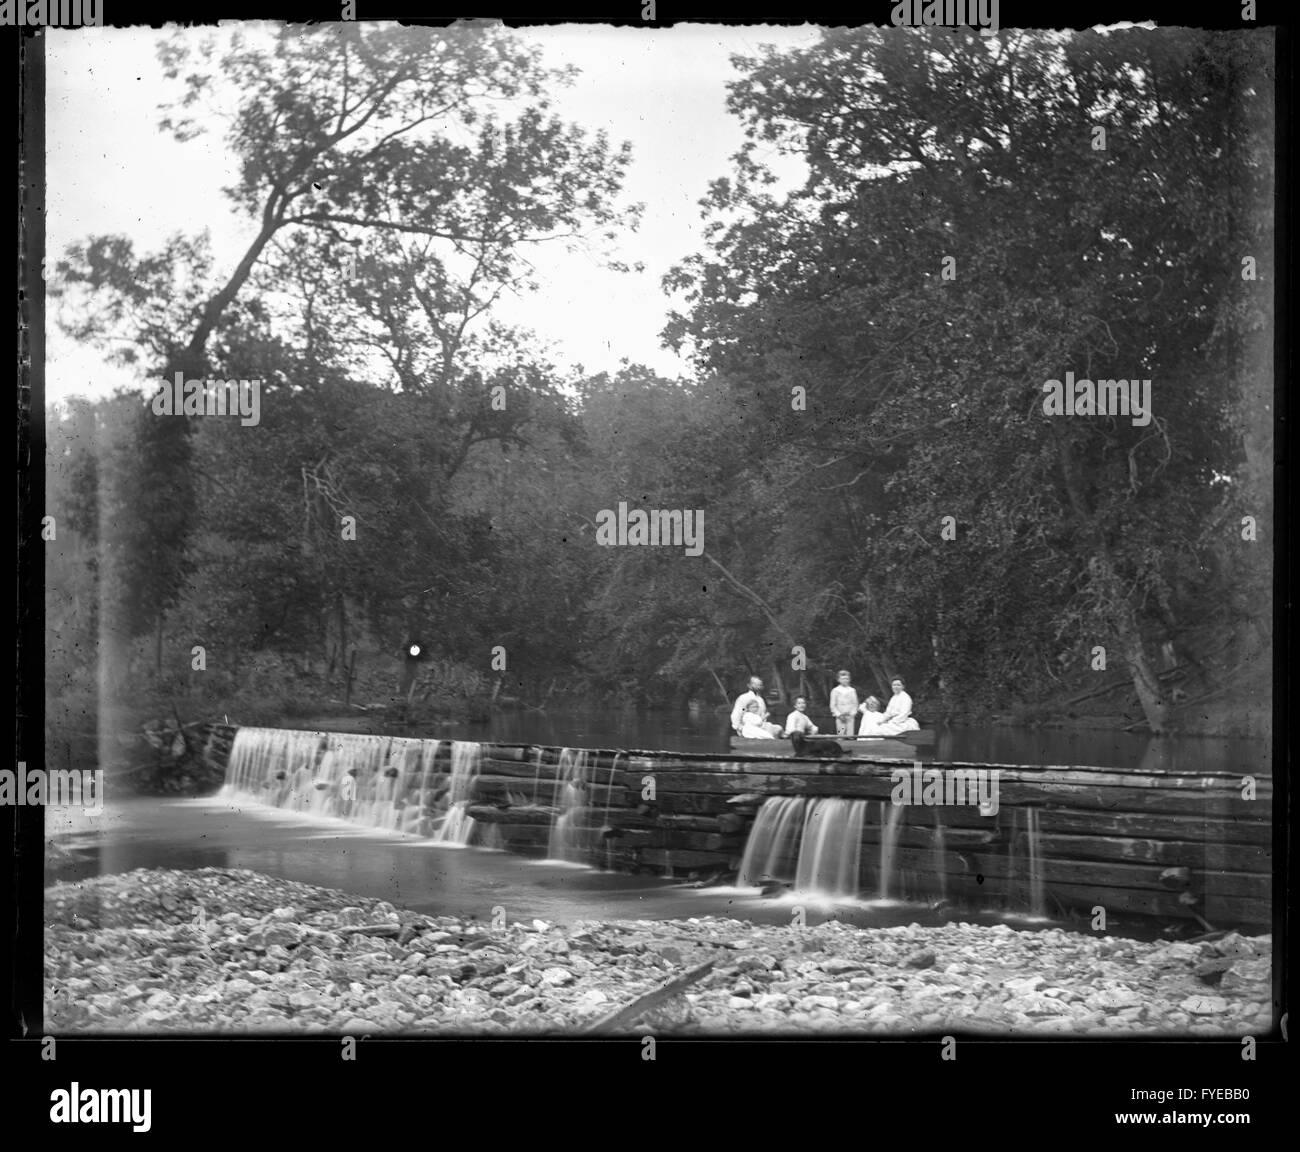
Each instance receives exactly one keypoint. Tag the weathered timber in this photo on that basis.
(1144, 842)
(629, 1014)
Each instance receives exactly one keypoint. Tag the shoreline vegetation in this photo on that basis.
(144, 746)
(227, 950)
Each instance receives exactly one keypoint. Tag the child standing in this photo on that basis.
(844, 704)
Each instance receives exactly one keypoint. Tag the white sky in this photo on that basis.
(109, 170)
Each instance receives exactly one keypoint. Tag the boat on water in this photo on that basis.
(903, 746)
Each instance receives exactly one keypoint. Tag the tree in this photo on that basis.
(930, 152)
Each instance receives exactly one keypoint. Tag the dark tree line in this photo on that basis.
(865, 432)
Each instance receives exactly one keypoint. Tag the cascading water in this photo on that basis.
(570, 838)
(830, 852)
(772, 840)
(457, 825)
(1026, 892)
(816, 843)
(1037, 894)
(888, 844)
(390, 782)
(940, 856)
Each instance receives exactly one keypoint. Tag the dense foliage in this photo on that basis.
(866, 435)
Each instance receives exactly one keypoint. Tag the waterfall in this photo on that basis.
(537, 775)
(395, 783)
(605, 827)
(940, 856)
(771, 840)
(888, 843)
(457, 825)
(570, 838)
(1037, 895)
(817, 844)
(830, 852)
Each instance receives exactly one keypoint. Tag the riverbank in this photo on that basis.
(219, 950)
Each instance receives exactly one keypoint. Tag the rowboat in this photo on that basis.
(903, 746)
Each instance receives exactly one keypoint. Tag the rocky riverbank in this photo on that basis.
(221, 950)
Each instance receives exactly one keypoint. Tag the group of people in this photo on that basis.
(749, 716)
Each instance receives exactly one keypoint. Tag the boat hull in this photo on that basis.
(866, 748)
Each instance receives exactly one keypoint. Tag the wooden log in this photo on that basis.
(1118, 902)
(630, 1013)
(662, 857)
(996, 866)
(1010, 793)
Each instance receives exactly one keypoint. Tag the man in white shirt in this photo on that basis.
(742, 701)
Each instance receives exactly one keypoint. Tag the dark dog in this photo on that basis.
(815, 746)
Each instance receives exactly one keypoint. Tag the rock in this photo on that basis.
(1022, 986)
(740, 1002)
(1247, 974)
(838, 966)
(556, 977)
(1234, 945)
(590, 1000)
(808, 1003)
(519, 996)
(1114, 999)
(1211, 971)
(358, 1024)
(922, 959)
(1204, 1005)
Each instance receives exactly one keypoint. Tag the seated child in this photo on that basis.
(752, 726)
(872, 717)
(798, 720)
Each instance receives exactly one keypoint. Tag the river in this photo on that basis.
(472, 882)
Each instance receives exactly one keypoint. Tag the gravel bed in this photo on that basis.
(221, 950)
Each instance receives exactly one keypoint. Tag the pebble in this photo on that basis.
(123, 955)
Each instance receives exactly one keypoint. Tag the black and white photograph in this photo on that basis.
(634, 532)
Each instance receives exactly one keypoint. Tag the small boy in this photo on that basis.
(798, 720)
(844, 704)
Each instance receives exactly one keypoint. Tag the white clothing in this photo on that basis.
(798, 722)
(742, 702)
(871, 722)
(898, 716)
(751, 727)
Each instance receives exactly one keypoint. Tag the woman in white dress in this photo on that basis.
(898, 713)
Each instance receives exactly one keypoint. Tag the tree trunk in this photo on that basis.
(158, 647)
(1115, 604)
(352, 669)
(777, 678)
